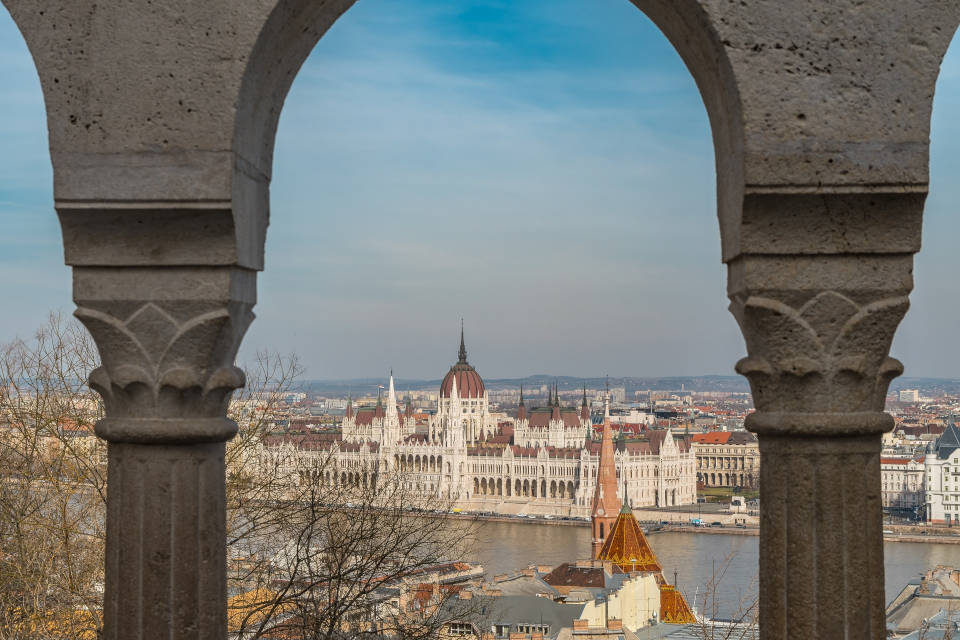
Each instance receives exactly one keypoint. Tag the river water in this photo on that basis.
(504, 547)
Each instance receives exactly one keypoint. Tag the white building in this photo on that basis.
(544, 461)
(901, 483)
(909, 395)
(942, 483)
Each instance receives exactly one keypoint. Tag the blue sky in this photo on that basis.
(548, 177)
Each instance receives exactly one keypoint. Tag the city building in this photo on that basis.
(942, 478)
(727, 459)
(544, 461)
(618, 538)
(901, 484)
(909, 395)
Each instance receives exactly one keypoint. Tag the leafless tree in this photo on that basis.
(307, 558)
(741, 624)
(53, 473)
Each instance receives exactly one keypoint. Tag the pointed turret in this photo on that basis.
(408, 408)
(462, 356)
(606, 505)
(584, 407)
(521, 409)
(349, 412)
(454, 399)
(378, 412)
(391, 399)
(555, 414)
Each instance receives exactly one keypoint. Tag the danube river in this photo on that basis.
(503, 547)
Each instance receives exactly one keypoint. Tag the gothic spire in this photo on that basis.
(606, 504)
(391, 399)
(463, 348)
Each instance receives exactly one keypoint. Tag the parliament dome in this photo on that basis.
(469, 382)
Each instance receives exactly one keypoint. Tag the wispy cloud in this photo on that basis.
(546, 174)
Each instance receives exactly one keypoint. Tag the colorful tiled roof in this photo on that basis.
(627, 547)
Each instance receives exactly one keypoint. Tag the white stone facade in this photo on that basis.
(466, 454)
(942, 478)
(901, 483)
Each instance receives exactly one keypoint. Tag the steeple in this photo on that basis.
(521, 409)
(555, 414)
(584, 407)
(349, 412)
(391, 399)
(454, 399)
(462, 359)
(606, 505)
(378, 412)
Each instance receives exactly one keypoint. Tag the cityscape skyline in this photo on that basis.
(437, 162)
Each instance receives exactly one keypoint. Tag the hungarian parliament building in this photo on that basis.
(543, 461)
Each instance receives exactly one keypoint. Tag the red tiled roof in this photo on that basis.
(570, 575)
(714, 437)
(542, 419)
(469, 382)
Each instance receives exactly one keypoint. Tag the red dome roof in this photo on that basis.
(469, 382)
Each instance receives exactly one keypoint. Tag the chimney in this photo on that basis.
(581, 625)
(615, 624)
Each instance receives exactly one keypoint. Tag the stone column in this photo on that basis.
(167, 338)
(818, 330)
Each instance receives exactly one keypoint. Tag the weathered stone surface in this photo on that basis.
(162, 118)
(166, 542)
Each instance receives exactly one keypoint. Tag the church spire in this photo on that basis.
(555, 414)
(462, 359)
(606, 505)
(391, 399)
(521, 409)
(584, 406)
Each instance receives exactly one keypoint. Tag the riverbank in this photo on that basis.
(898, 533)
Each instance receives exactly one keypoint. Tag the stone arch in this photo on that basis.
(570, 490)
(483, 486)
(518, 488)
(526, 488)
(803, 166)
(553, 488)
(476, 486)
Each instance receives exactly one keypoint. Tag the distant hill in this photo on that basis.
(732, 384)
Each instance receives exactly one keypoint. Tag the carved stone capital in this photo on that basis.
(167, 339)
(818, 344)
